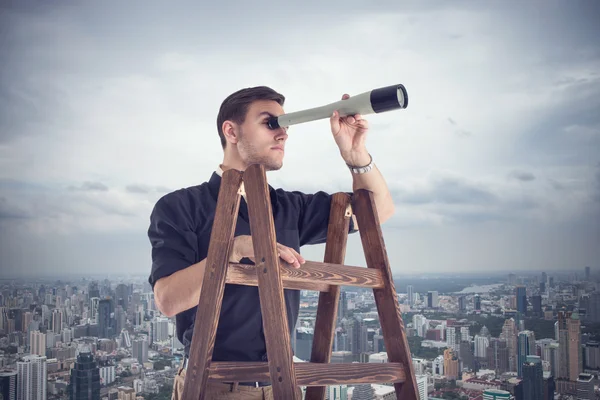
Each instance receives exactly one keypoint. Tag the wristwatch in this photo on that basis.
(364, 169)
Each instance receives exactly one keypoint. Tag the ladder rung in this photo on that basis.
(312, 275)
(310, 374)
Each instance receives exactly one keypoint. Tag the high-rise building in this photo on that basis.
(363, 392)
(585, 387)
(85, 378)
(451, 367)
(410, 294)
(533, 378)
(477, 302)
(32, 378)
(422, 387)
(568, 332)
(8, 384)
(521, 295)
(432, 299)
(497, 394)
(37, 343)
(462, 306)
(587, 274)
(509, 334)
(525, 347)
(342, 306)
(105, 325)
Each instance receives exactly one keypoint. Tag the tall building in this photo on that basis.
(521, 295)
(342, 306)
(85, 378)
(497, 394)
(587, 274)
(8, 384)
(105, 324)
(568, 332)
(37, 342)
(432, 299)
(585, 387)
(410, 294)
(574, 337)
(477, 302)
(57, 321)
(422, 387)
(509, 334)
(533, 379)
(32, 378)
(451, 367)
(140, 350)
(526, 347)
(363, 392)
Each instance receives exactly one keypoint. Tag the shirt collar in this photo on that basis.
(215, 183)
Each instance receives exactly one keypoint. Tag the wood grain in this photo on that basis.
(213, 285)
(335, 252)
(311, 374)
(270, 286)
(313, 272)
(392, 326)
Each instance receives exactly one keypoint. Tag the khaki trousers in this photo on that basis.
(221, 391)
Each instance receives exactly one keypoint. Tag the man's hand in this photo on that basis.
(243, 248)
(350, 134)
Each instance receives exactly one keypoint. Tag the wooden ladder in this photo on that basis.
(272, 275)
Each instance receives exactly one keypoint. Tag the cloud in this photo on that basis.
(523, 176)
(145, 189)
(98, 120)
(90, 187)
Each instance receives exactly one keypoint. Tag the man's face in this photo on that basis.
(258, 144)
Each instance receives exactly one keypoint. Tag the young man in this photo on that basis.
(181, 223)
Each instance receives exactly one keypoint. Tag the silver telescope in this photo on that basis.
(374, 101)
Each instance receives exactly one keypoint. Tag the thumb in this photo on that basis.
(335, 122)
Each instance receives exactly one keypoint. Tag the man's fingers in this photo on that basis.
(290, 256)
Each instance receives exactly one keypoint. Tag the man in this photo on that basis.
(181, 223)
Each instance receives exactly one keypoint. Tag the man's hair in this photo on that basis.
(235, 106)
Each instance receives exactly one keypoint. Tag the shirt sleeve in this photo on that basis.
(172, 237)
(314, 217)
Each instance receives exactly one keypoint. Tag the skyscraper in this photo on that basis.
(8, 384)
(33, 375)
(410, 295)
(533, 379)
(496, 394)
(85, 378)
(525, 347)
(432, 299)
(521, 295)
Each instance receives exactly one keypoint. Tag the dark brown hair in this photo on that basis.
(235, 106)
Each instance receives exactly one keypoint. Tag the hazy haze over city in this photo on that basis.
(494, 165)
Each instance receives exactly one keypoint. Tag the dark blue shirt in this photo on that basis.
(180, 229)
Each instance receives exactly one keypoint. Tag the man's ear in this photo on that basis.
(230, 132)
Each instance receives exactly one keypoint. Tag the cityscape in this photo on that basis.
(520, 336)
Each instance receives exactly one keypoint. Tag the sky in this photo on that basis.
(493, 166)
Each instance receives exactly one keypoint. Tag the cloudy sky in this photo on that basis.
(494, 166)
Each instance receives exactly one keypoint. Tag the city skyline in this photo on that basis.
(493, 166)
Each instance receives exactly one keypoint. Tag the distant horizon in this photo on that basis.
(425, 275)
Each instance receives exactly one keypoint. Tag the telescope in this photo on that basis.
(375, 101)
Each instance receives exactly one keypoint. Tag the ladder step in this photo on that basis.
(310, 374)
(312, 275)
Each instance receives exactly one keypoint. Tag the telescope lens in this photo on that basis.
(389, 98)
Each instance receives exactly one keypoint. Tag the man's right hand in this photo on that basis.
(243, 248)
